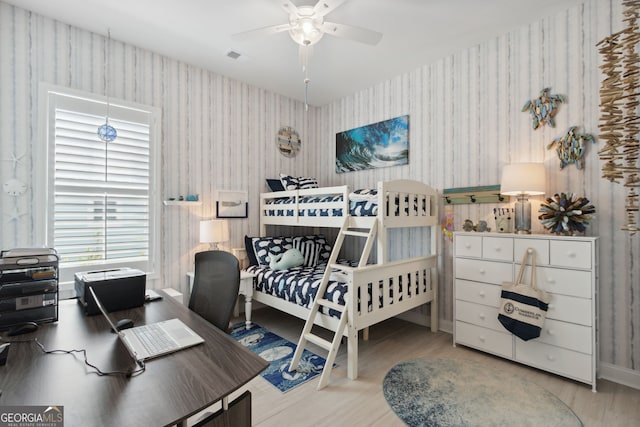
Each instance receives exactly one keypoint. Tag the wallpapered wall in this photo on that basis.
(466, 124)
(217, 133)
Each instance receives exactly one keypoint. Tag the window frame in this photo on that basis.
(50, 96)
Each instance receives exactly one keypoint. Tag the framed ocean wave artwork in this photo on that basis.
(377, 145)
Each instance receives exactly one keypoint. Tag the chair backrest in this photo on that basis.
(215, 287)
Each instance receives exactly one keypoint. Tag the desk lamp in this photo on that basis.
(523, 180)
(214, 231)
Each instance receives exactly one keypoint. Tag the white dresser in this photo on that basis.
(567, 267)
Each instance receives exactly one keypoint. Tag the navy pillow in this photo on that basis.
(248, 245)
(275, 185)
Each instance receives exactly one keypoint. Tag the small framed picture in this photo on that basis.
(232, 204)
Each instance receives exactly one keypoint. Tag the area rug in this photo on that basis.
(278, 352)
(445, 392)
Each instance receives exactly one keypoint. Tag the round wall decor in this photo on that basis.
(288, 141)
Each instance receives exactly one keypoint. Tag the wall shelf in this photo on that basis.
(469, 195)
(181, 203)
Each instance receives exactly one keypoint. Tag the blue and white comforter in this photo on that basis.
(356, 208)
(299, 284)
(363, 202)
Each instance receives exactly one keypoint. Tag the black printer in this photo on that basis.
(118, 289)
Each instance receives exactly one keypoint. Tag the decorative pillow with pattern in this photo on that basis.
(294, 183)
(263, 247)
(289, 182)
(306, 182)
(324, 248)
(309, 249)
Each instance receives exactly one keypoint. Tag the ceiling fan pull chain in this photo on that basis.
(306, 93)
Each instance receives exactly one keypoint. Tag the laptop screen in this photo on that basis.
(103, 310)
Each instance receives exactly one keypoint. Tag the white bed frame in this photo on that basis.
(421, 270)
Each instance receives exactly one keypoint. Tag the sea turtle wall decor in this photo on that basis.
(544, 108)
(570, 148)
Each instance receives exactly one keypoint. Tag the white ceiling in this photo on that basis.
(198, 32)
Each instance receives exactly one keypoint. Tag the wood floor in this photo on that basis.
(361, 403)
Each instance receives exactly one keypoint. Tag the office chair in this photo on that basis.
(215, 287)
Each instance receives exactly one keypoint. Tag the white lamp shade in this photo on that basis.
(523, 178)
(214, 231)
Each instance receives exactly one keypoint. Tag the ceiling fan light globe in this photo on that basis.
(306, 31)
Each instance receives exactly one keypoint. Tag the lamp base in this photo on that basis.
(523, 215)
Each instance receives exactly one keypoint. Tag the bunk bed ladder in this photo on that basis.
(332, 265)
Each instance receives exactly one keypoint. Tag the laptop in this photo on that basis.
(155, 339)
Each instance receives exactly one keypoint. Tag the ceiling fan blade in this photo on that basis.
(324, 7)
(350, 32)
(260, 32)
(287, 6)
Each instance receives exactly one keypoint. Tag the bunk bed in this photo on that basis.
(383, 290)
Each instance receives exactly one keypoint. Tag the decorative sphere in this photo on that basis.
(107, 133)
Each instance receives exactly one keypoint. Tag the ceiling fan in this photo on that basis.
(307, 26)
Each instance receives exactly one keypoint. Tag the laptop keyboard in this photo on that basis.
(154, 339)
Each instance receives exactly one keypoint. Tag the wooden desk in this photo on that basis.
(172, 388)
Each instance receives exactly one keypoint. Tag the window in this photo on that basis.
(101, 209)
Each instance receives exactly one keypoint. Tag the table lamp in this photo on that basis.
(214, 231)
(523, 180)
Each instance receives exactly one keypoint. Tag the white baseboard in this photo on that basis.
(617, 374)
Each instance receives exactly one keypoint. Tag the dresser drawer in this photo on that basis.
(570, 253)
(498, 248)
(570, 309)
(540, 246)
(555, 359)
(469, 246)
(477, 292)
(567, 335)
(483, 271)
(477, 314)
(485, 339)
(575, 283)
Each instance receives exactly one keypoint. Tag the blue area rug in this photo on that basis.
(447, 392)
(278, 352)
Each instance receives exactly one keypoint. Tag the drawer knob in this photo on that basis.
(481, 338)
(550, 332)
(481, 294)
(498, 249)
(482, 316)
(467, 245)
(482, 271)
(551, 280)
(550, 357)
(571, 254)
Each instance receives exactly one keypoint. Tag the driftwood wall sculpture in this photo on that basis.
(619, 100)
